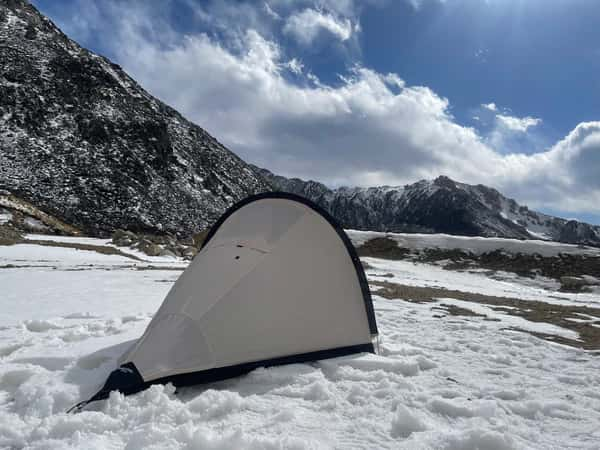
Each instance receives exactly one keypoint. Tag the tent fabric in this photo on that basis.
(276, 281)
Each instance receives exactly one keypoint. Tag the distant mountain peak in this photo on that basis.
(444, 181)
(441, 205)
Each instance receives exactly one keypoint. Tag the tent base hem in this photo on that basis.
(128, 380)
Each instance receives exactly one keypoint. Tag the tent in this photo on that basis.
(277, 281)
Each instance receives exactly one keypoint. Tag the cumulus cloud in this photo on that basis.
(305, 26)
(508, 122)
(370, 128)
(520, 124)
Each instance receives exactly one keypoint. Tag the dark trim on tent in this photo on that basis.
(128, 380)
(360, 273)
(223, 373)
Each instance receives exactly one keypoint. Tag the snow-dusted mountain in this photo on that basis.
(439, 206)
(82, 141)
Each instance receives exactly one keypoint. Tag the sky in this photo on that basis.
(362, 93)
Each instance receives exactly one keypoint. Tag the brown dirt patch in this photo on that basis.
(533, 310)
(382, 248)
(522, 264)
(8, 235)
(103, 249)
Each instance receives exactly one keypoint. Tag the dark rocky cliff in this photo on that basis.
(84, 142)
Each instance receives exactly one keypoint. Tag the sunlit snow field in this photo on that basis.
(440, 380)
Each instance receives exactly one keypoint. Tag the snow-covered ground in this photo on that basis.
(504, 285)
(475, 245)
(440, 381)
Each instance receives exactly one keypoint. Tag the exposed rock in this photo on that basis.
(573, 284)
(149, 248)
(574, 232)
(167, 252)
(572, 270)
(436, 206)
(24, 216)
(189, 252)
(123, 238)
(8, 235)
(382, 248)
(84, 143)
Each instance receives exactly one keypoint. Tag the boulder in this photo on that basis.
(123, 238)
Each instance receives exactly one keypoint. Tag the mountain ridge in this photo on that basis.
(84, 144)
(82, 141)
(436, 206)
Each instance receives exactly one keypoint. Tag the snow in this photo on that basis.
(164, 260)
(35, 224)
(40, 255)
(505, 285)
(475, 245)
(68, 239)
(5, 216)
(443, 382)
(512, 321)
(538, 235)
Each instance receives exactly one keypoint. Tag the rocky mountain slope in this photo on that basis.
(83, 148)
(438, 206)
(83, 142)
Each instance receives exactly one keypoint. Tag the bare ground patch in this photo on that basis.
(523, 264)
(102, 249)
(564, 316)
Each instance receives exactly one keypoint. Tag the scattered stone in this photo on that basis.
(522, 264)
(574, 284)
(189, 252)
(167, 252)
(149, 248)
(122, 238)
(189, 241)
(382, 248)
(159, 245)
(8, 235)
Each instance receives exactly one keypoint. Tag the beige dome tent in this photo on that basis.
(277, 281)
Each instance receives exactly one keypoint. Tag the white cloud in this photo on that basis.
(520, 124)
(305, 26)
(368, 129)
(508, 122)
(295, 66)
(271, 12)
(490, 106)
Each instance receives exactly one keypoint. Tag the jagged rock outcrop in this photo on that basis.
(83, 142)
(437, 206)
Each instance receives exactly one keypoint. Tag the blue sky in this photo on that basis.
(500, 92)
